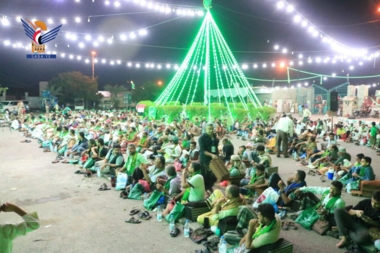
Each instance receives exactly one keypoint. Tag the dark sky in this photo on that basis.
(250, 27)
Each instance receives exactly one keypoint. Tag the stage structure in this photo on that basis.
(210, 74)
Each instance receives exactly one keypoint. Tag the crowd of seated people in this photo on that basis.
(170, 159)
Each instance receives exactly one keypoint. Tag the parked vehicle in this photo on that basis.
(79, 104)
(11, 106)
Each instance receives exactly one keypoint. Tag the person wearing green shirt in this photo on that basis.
(331, 199)
(373, 133)
(9, 232)
(133, 161)
(264, 230)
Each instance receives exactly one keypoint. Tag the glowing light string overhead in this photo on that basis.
(210, 74)
(316, 32)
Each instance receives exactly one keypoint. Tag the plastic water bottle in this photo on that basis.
(145, 198)
(159, 214)
(98, 172)
(223, 247)
(186, 229)
(255, 197)
(221, 241)
(171, 223)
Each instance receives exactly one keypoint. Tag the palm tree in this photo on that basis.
(55, 90)
(116, 91)
(3, 89)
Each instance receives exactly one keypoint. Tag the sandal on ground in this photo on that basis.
(145, 215)
(124, 194)
(79, 172)
(104, 187)
(24, 141)
(133, 220)
(64, 161)
(55, 161)
(87, 174)
(323, 178)
(311, 172)
(134, 211)
(174, 232)
(47, 150)
(291, 225)
(284, 226)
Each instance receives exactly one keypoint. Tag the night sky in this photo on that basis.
(251, 28)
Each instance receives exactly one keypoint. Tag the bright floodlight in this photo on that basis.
(255, 66)
(118, 62)
(87, 61)
(333, 74)
(77, 19)
(5, 22)
(297, 18)
(284, 50)
(117, 4)
(300, 63)
(50, 21)
(280, 5)
(63, 21)
(300, 56)
(143, 32)
(291, 63)
(79, 57)
(63, 55)
(109, 41)
(112, 62)
(244, 66)
(132, 35)
(71, 56)
(304, 23)
(276, 47)
(95, 43)
(129, 64)
(264, 65)
(87, 37)
(7, 42)
(107, 2)
(101, 38)
(73, 37)
(123, 37)
(104, 61)
(351, 67)
(138, 65)
(290, 8)
(168, 66)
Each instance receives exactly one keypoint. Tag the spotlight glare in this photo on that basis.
(77, 19)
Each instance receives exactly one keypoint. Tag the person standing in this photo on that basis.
(208, 150)
(9, 232)
(285, 127)
(306, 113)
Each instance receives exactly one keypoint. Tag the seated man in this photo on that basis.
(287, 192)
(264, 230)
(342, 155)
(193, 190)
(238, 167)
(358, 173)
(325, 156)
(113, 160)
(355, 223)
(151, 174)
(331, 199)
(257, 179)
(222, 206)
(172, 186)
(134, 160)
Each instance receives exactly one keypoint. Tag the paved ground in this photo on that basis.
(76, 217)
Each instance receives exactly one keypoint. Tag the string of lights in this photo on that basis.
(244, 66)
(315, 32)
(156, 6)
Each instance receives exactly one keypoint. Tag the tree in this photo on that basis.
(3, 89)
(54, 90)
(116, 92)
(75, 85)
(147, 91)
